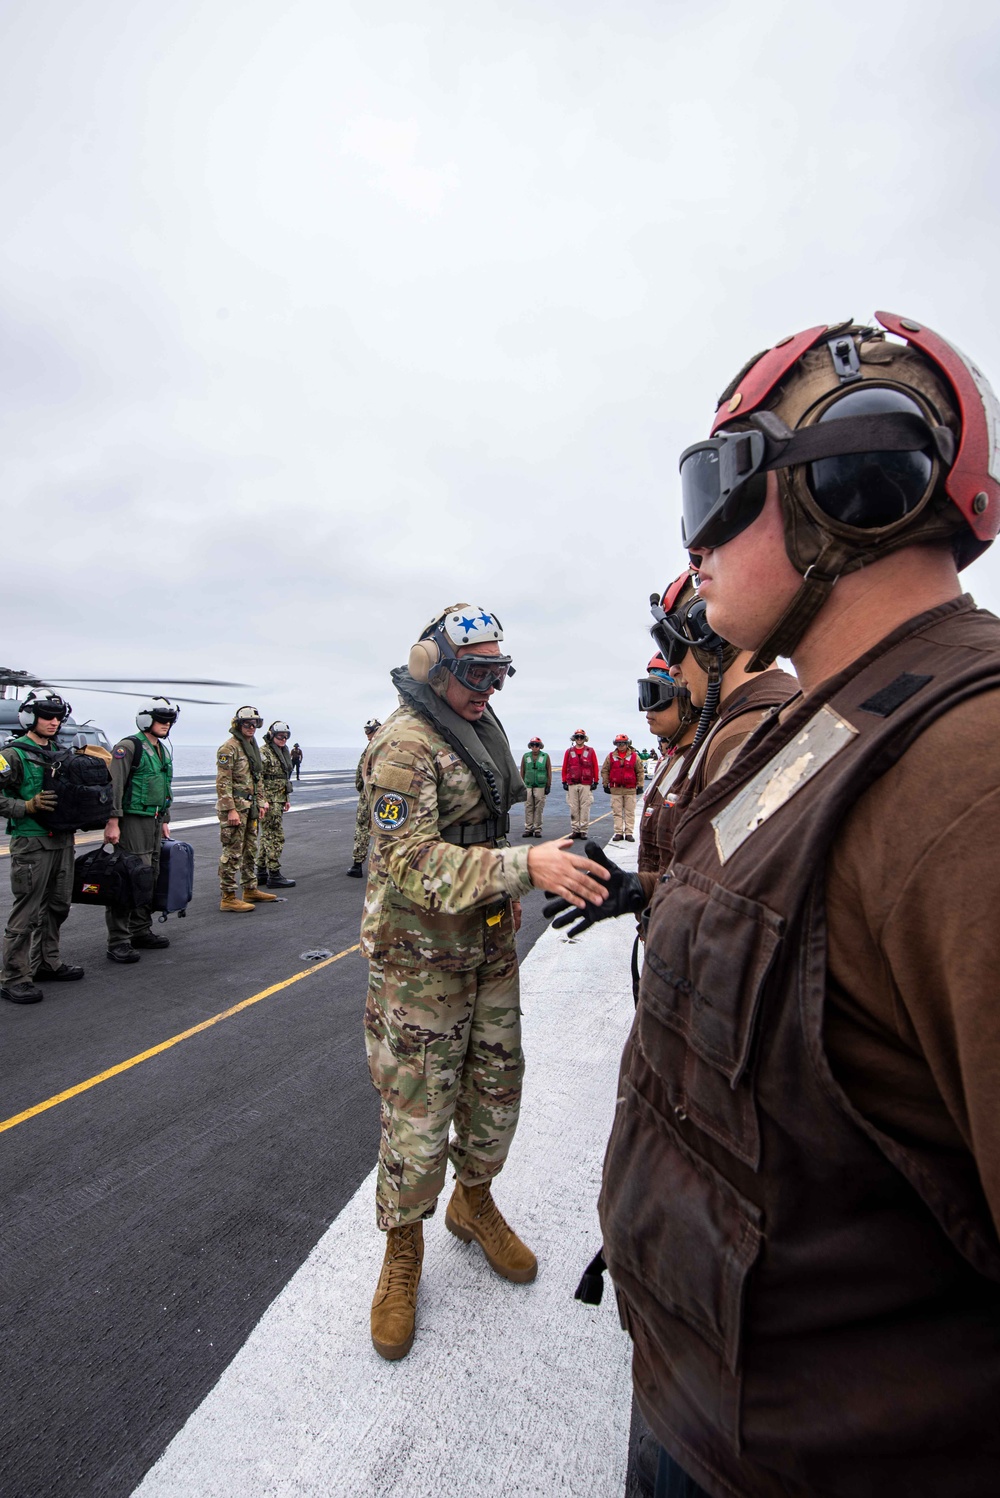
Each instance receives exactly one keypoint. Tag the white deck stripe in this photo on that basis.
(510, 1390)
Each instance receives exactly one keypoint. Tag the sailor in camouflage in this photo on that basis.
(442, 906)
(276, 762)
(240, 800)
(362, 825)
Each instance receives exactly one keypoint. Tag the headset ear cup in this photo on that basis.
(424, 656)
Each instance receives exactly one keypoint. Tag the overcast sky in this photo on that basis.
(316, 317)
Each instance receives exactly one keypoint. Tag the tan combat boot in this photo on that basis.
(474, 1216)
(251, 892)
(233, 902)
(394, 1309)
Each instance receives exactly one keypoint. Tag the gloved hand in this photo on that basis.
(625, 896)
(607, 790)
(42, 801)
(547, 789)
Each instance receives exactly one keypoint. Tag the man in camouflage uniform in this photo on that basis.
(362, 825)
(442, 1020)
(241, 800)
(277, 781)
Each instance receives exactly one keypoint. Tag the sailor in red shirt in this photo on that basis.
(579, 776)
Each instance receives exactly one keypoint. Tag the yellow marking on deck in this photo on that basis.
(164, 1045)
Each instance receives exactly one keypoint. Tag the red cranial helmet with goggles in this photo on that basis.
(876, 445)
(680, 624)
(435, 655)
(622, 739)
(658, 690)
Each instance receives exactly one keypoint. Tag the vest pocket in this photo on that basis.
(680, 1242)
(708, 955)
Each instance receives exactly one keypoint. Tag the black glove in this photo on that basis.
(625, 896)
(547, 789)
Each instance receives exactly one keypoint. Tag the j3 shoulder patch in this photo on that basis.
(224, 757)
(119, 752)
(391, 811)
(4, 765)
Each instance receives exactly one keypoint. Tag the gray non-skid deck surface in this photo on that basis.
(509, 1389)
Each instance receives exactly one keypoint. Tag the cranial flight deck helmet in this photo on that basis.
(278, 727)
(156, 710)
(248, 715)
(680, 624)
(436, 652)
(657, 690)
(42, 705)
(876, 445)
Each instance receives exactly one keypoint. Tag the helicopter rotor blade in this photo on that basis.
(180, 681)
(113, 692)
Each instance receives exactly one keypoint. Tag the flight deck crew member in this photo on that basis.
(442, 1020)
(241, 801)
(276, 762)
(41, 862)
(536, 772)
(141, 774)
(296, 754)
(801, 1198)
(670, 715)
(362, 822)
(622, 776)
(579, 776)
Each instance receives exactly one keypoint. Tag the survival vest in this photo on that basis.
(535, 772)
(147, 790)
(622, 771)
(24, 776)
(815, 1306)
(579, 766)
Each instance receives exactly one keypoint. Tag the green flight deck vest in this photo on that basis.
(148, 790)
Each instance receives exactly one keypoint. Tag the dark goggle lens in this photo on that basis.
(667, 645)
(722, 488)
(656, 692)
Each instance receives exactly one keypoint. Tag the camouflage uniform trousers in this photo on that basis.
(362, 828)
(239, 849)
(443, 1049)
(272, 833)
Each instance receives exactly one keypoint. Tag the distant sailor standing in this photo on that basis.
(41, 862)
(579, 776)
(536, 772)
(362, 824)
(241, 799)
(277, 779)
(296, 753)
(141, 773)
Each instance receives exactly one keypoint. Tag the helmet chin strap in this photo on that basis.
(816, 587)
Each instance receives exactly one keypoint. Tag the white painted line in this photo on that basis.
(510, 1390)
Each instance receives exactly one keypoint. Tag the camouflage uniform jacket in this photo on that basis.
(277, 787)
(234, 784)
(428, 901)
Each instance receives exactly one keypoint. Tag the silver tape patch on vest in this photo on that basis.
(822, 738)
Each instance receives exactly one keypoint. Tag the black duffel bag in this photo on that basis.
(107, 876)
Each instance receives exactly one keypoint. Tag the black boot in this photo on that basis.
(149, 940)
(123, 951)
(22, 992)
(355, 871)
(261, 877)
(277, 880)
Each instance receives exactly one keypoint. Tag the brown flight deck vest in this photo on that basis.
(815, 1307)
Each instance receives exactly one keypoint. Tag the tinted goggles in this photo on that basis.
(480, 673)
(723, 480)
(656, 692)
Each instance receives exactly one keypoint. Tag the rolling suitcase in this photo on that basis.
(175, 884)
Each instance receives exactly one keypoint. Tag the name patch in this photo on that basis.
(391, 811)
(823, 737)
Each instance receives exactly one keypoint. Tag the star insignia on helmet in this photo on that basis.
(467, 623)
(487, 620)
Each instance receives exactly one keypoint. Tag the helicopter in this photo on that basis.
(73, 735)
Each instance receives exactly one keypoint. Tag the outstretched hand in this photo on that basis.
(624, 895)
(579, 881)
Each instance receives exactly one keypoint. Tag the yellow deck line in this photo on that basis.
(164, 1045)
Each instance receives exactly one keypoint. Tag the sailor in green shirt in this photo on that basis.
(141, 773)
(41, 862)
(536, 772)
